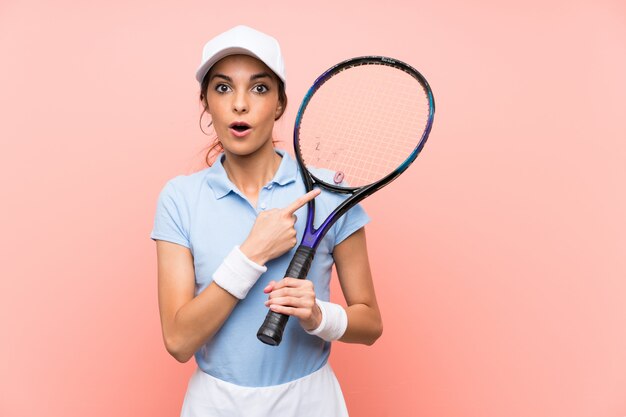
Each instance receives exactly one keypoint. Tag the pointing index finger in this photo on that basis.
(302, 200)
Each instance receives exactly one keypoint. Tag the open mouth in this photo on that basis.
(239, 126)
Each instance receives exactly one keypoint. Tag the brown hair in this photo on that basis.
(215, 148)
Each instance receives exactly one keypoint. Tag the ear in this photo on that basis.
(279, 111)
(208, 116)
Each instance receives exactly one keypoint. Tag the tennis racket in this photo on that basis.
(360, 125)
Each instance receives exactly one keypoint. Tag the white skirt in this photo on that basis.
(315, 395)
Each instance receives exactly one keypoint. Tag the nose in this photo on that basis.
(240, 102)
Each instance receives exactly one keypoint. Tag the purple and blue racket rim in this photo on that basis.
(313, 236)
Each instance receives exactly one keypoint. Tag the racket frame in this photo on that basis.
(271, 331)
(313, 236)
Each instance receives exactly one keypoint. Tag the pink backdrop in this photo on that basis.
(501, 275)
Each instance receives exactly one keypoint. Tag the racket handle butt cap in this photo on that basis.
(271, 332)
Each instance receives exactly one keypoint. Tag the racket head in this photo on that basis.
(363, 122)
(360, 125)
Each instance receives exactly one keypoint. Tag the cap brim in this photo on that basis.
(204, 68)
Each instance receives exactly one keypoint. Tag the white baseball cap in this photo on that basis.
(242, 40)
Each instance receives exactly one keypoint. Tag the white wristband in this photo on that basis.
(334, 321)
(237, 274)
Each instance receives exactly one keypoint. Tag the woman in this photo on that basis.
(225, 236)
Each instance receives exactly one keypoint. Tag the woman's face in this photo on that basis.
(242, 97)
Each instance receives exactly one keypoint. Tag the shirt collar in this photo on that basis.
(221, 185)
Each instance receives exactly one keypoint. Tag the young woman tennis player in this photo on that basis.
(225, 236)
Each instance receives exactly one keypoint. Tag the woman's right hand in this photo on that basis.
(273, 232)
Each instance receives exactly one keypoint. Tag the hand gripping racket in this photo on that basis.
(360, 125)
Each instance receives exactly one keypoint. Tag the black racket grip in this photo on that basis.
(271, 331)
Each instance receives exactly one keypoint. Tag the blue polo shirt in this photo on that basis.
(206, 213)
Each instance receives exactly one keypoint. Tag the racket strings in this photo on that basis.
(362, 124)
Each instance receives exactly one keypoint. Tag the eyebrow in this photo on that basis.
(260, 75)
(252, 77)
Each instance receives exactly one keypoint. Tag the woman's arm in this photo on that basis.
(296, 297)
(364, 321)
(187, 322)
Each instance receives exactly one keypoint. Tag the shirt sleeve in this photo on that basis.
(350, 222)
(171, 218)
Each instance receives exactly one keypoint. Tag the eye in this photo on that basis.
(222, 88)
(260, 88)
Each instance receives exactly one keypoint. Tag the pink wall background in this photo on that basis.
(503, 295)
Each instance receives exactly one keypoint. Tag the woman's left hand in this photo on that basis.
(295, 297)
